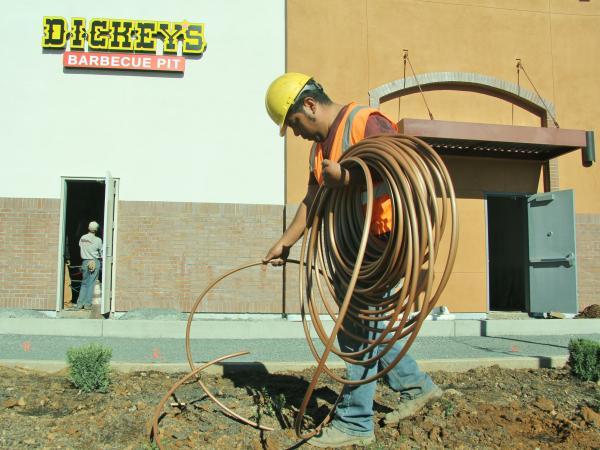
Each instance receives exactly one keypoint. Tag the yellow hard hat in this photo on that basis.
(281, 95)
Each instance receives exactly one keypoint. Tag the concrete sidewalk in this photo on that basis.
(276, 344)
(276, 327)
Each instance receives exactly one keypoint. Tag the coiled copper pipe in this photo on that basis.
(384, 288)
(355, 272)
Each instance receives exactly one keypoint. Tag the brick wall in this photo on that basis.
(292, 301)
(28, 252)
(167, 253)
(292, 275)
(588, 258)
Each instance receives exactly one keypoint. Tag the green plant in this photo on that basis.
(265, 404)
(88, 367)
(279, 402)
(584, 359)
(448, 406)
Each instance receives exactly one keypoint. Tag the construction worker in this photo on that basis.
(297, 101)
(90, 247)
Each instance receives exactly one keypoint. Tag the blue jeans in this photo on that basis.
(86, 293)
(354, 413)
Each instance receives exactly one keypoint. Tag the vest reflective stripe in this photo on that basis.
(337, 147)
(353, 131)
(346, 142)
(311, 160)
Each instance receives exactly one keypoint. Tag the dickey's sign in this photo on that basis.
(138, 38)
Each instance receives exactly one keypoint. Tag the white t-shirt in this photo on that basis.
(91, 246)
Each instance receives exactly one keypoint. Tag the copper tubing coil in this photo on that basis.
(369, 286)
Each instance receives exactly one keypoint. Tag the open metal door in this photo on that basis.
(107, 249)
(60, 283)
(552, 260)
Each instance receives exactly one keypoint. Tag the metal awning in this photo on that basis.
(500, 141)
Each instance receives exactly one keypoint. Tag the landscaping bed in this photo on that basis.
(481, 408)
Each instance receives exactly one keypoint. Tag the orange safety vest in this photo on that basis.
(350, 131)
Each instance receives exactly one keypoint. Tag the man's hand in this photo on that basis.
(277, 255)
(333, 174)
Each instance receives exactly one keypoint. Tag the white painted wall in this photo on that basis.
(203, 137)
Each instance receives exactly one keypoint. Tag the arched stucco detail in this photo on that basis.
(465, 81)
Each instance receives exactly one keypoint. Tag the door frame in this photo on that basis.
(60, 263)
(487, 195)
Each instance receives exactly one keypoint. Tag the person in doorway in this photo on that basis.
(90, 246)
(297, 101)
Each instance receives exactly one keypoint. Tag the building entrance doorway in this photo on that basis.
(532, 264)
(84, 203)
(507, 252)
(85, 200)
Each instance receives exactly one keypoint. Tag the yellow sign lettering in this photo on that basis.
(55, 32)
(123, 35)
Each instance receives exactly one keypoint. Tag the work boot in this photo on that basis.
(410, 406)
(331, 437)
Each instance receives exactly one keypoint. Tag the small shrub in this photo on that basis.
(279, 402)
(448, 407)
(265, 404)
(88, 367)
(584, 359)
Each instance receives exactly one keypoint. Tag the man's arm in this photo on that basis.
(280, 251)
(335, 176)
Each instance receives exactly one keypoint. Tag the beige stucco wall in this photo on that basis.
(575, 44)
(352, 46)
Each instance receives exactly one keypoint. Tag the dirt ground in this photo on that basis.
(485, 408)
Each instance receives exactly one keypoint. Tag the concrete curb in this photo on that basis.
(462, 365)
(278, 328)
(51, 327)
(428, 365)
